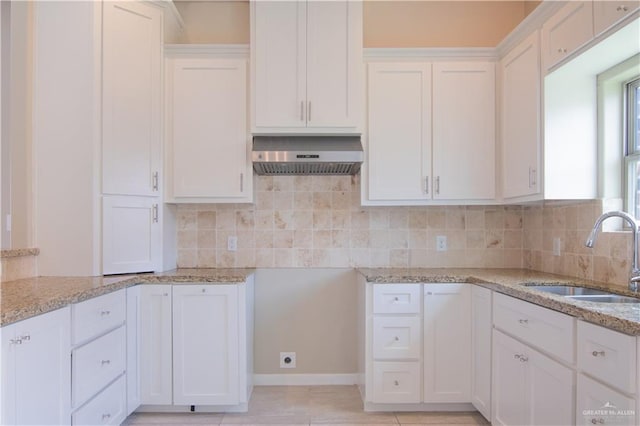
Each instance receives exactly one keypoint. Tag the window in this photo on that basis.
(632, 146)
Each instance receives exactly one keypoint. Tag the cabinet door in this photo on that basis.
(399, 140)
(208, 129)
(599, 404)
(464, 131)
(279, 37)
(36, 366)
(132, 47)
(131, 234)
(567, 30)
(134, 305)
(447, 343)
(521, 119)
(205, 345)
(155, 344)
(332, 60)
(509, 387)
(607, 13)
(481, 325)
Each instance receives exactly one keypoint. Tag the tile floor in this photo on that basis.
(307, 405)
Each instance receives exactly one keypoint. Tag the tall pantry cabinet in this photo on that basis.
(96, 133)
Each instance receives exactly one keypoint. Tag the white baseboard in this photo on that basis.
(304, 379)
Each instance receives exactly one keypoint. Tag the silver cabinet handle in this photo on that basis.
(155, 213)
(532, 177)
(105, 362)
(165, 294)
(429, 293)
(438, 185)
(426, 185)
(241, 182)
(17, 341)
(397, 383)
(104, 313)
(516, 356)
(309, 112)
(397, 339)
(301, 110)
(155, 181)
(622, 8)
(523, 321)
(25, 337)
(395, 299)
(597, 421)
(597, 353)
(106, 416)
(562, 50)
(523, 358)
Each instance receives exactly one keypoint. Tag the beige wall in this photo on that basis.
(386, 23)
(439, 23)
(609, 260)
(312, 313)
(317, 221)
(225, 22)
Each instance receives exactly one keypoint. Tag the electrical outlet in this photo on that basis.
(232, 243)
(287, 360)
(556, 246)
(441, 243)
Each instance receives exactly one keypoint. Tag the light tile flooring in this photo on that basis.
(307, 405)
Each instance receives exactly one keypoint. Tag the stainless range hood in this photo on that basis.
(307, 155)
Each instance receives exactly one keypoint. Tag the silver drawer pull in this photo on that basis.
(396, 299)
(524, 358)
(106, 416)
(106, 362)
(396, 383)
(397, 339)
(516, 356)
(17, 341)
(597, 421)
(562, 50)
(621, 9)
(429, 293)
(523, 321)
(25, 337)
(105, 313)
(597, 353)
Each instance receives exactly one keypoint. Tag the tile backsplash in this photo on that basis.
(608, 261)
(317, 221)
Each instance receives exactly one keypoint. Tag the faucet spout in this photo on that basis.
(635, 227)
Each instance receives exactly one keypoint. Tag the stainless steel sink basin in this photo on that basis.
(567, 290)
(585, 294)
(607, 298)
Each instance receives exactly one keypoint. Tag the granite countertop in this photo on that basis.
(25, 298)
(623, 317)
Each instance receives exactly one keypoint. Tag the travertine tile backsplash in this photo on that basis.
(608, 261)
(306, 221)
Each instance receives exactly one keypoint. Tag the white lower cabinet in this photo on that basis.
(155, 344)
(36, 370)
(108, 408)
(599, 404)
(529, 388)
(133, 348)
(447, 343)
(396, 382)
(481, 326)
(193, 340)
(205, 345)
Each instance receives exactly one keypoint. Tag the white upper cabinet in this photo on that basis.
(567, 30)
(431, 135)
(520, 119)
(131, 87)
(207, 149)
(607, 13)
(399, 135)
(464, 130)
(306, 65)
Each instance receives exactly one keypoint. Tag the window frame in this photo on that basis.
(631, 144)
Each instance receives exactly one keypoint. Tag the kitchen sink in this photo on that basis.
(585, 294)
(567, 290)
(605, 298)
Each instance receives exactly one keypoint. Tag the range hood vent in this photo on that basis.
(307, 155)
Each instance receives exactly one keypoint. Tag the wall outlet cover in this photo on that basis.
(441, 243)
(287, 360)
(232, 243)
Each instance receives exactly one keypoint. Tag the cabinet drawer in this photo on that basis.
(599, 404)
(607, 355)
(396, 337)
(96, 364)
(397, 298)
(108, 408)
(95, 316)
(396, 382)
(549, 331)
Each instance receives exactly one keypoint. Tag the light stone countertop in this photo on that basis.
(26, 298)
(623, 317)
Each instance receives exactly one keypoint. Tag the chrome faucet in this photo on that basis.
(635, 271)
